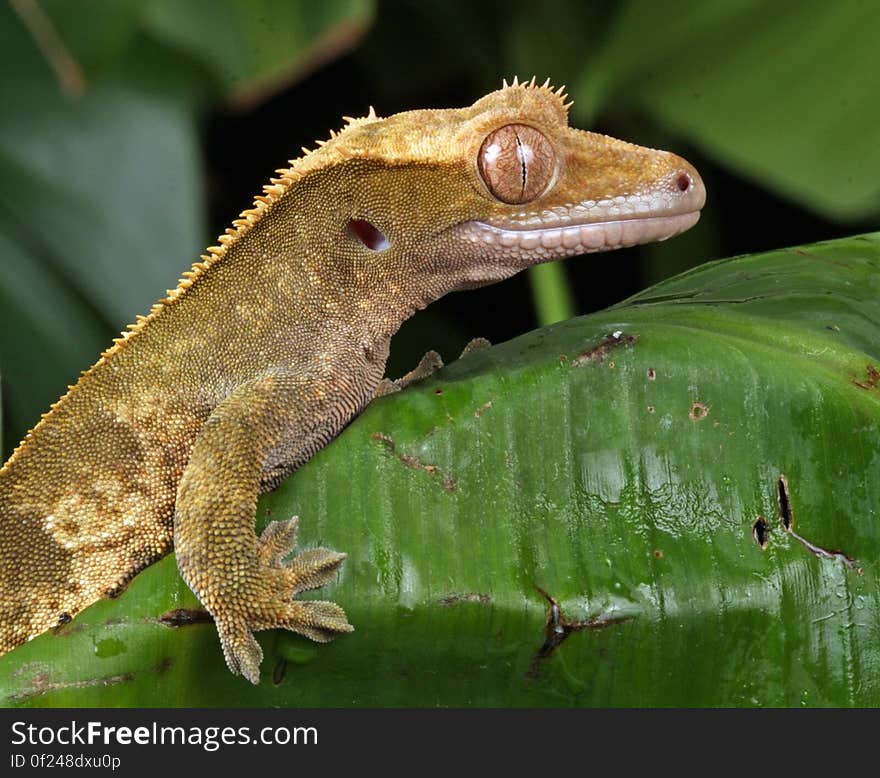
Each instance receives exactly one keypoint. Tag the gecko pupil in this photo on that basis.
(522, 153)
(516, 163)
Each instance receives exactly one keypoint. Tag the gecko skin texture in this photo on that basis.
(278, 337)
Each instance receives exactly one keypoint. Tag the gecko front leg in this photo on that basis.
(241, 579)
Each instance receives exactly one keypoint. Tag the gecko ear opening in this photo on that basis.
(368, 234)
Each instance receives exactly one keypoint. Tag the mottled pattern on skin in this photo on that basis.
(278, 337)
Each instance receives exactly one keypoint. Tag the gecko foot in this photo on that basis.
(269, 602)
(428, 365)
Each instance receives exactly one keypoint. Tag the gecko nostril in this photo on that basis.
(683, 182)
(368, 234)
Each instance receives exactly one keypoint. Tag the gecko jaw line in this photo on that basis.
(580, 238)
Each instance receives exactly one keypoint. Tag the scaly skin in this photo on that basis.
(279, 336)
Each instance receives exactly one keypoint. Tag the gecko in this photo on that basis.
(278, 337)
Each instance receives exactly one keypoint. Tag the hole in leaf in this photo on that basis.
(760, 532)
(368, 234)
(783, 500)
(698, 411)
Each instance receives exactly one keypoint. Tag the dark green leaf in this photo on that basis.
(254, 46)
(100, 199)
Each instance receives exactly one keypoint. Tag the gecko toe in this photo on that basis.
(241, 650)
(277, 541)
(316, 619)
(312, 569)
(474, 345)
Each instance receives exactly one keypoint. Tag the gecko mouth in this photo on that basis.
(573, 239)
(663, 211)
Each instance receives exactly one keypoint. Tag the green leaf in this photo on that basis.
(622, 463)
(94, 33)
(784, 93)
(254, 46)
(100, 204)
(42, 350)
(116, 175)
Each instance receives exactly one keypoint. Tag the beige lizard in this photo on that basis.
(279, 336)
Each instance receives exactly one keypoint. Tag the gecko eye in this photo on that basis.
(516, 163)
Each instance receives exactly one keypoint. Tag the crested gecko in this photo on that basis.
(278, 337)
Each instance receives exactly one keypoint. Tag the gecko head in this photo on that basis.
(458, 198)
(552, 191)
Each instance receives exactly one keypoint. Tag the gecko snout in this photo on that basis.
(687, 187)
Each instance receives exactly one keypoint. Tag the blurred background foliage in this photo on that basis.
(133, 131)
